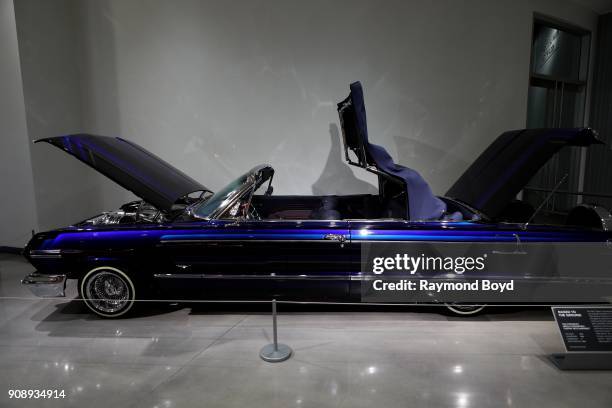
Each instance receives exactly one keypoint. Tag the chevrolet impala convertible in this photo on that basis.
(184, 241)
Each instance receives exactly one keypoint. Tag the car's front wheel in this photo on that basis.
(107, 291)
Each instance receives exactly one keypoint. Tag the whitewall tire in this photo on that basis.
(107, 291)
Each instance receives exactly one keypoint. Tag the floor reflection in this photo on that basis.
(207, 355)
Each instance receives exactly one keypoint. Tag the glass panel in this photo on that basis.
(556, 100)
(209, 206)
(556, 53)
(541, 104)
(555, 104)
(571, 105)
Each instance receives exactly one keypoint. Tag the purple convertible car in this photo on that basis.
(183, 241)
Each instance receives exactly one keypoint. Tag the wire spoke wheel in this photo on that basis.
(107, 291)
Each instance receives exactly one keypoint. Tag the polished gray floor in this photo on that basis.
(207, 356)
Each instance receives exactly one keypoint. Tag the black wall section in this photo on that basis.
(598, 174)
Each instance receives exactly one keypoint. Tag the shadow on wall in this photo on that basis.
(439, 167)
(337, 177)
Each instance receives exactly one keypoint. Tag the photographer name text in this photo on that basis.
(410, 285)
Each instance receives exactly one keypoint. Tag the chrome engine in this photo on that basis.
(132, 212)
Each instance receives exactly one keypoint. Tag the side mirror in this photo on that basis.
(269, 190)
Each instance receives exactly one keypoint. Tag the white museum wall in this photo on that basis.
(17, 206)
(218, 87)
(66, 190)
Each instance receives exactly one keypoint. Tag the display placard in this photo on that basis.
(585, 329)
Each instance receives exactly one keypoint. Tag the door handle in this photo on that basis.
(335, 237)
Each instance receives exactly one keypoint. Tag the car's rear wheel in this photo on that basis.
(107, 291)
(465, 309)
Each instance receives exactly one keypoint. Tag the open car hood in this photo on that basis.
(132, 167)
(507, 165)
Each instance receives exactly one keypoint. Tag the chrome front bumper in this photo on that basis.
(45, 285)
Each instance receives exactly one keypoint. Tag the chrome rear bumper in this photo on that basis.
(45, 285)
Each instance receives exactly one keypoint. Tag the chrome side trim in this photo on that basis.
(248, 240)
(45, 253)
(271, 276)
(198, 241)
(45, 285)
(388, 241)
(400, 241)
(366, 277)
(51, 253)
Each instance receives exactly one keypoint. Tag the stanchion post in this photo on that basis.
(275, 352)
(274, 325)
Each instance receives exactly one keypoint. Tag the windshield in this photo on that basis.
(206, 208)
